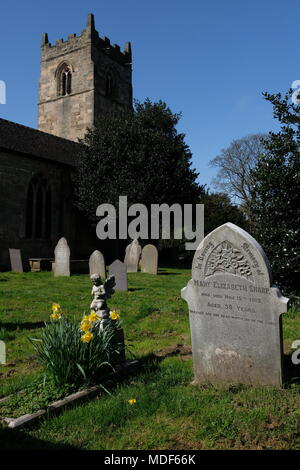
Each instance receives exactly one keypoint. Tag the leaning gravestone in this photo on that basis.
(15, 260)
(119, 271)
(234, 311)
(97, 264)
(132, 256)
(2, 352)
(62, 258)
(149, 259)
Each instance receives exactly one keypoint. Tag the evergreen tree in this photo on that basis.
(276, 194)
(138, 154)
(218, 210)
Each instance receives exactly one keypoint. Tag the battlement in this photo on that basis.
(88, 36)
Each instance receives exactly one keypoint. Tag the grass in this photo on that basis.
(170, 413)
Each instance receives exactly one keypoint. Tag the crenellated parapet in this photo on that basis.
(88, 37)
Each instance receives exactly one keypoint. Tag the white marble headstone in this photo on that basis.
(132, 256)
(234, 311)
(149, 259)
(97, 264)
(62, 258)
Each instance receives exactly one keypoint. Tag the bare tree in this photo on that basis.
(235, 164)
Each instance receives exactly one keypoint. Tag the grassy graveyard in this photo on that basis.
(169, 412)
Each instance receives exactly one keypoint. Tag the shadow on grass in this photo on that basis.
(150, 363)
(291, 371)
(11, 439)
(22, 326)
(133, 289)
(167, 274)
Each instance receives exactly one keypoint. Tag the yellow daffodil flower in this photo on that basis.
(55, 307)
(87, 337)
(114, 315)
(55, 316)
(132, 401)
(93, 316)
(85, 325)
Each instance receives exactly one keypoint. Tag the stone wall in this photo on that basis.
(16, 172)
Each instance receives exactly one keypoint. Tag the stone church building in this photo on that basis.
(79, 79)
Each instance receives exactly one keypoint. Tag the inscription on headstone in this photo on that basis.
(97, 264)
(119, 270)
(16, 260)
(149, 259)
(132, 256)
(2, 352)
(62, 258)
(234, 311)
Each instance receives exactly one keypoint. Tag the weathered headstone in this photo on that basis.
(15, 260)
(132, 256)
(234, 311)
(97, 264)
(62, 258)
(119, 270)
(2, 352)
(149, 259)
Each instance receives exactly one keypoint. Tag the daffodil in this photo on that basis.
(87, 337)
(114, 315)
(55, 316)
(93, 316)
(86, 325)
(132, 401)
(55, 307)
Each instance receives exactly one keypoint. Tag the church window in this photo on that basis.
(65, 80)
(109, 85)
(38, 209)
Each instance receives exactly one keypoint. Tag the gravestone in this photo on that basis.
(149, 259)
(2, 352)
(15, 260)
(234, 311)
(97, 264)
(62, 258)
(132, 256)
(119, 270)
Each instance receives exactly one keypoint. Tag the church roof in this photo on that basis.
(32, 142)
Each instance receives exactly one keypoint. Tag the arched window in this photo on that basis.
(38, 209)
(64, 80)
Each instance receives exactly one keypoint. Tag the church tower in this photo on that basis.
(81, 78)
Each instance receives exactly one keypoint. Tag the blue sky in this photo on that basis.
(209, 60)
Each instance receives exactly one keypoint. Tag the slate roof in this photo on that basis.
(32, 142)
